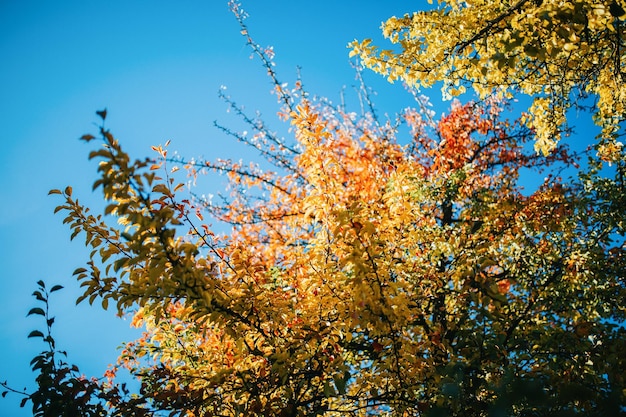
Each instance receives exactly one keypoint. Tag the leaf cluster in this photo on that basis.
(556, 52)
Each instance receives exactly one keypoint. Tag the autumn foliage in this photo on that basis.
(562, 54)
(369, 267)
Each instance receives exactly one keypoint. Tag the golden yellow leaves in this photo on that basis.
(552, 51)
(611, 151)
(160, 149)
(543, 116)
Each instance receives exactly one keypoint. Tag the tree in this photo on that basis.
(62, 391)
(557, 52)
(370, 267)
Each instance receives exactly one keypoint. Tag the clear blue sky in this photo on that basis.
(157, 67)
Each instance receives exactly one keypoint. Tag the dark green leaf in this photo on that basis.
(36, 310)
(36, 359)
(56, 288)
(102, 113)
(340, 384)
(35, 333)
(616, 10)
(39, 296)
(329, 391)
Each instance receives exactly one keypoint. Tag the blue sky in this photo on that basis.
(157, 67)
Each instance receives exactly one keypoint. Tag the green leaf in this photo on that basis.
(340, 383)
(39, 296)
(616, 10)
(36, 359)
(36, 310)
(328, 390)
(56, 288)
(35, 333)
(161, 188)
